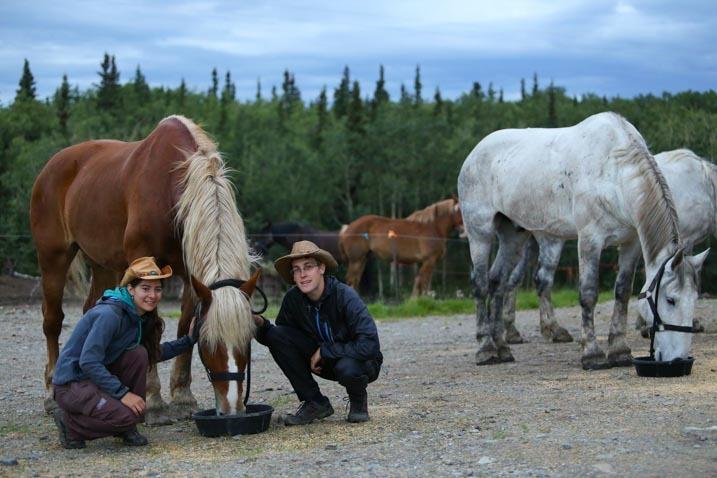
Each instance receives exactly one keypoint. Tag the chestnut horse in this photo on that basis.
(421, 237)
(167, 196)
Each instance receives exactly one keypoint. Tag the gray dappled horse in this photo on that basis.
(692, 182)
(597, 182)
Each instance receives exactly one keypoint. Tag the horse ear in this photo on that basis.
(677, 259)
(249, 286)
(698, 260)
(203, 292)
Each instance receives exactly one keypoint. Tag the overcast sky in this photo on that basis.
(613, 48)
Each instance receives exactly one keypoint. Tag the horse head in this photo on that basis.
(672, 290)
(225, 364)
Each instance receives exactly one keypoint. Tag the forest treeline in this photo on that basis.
(323, 161)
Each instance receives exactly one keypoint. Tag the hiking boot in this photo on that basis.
(58, 415)
(308, 412)
(132, 438)
(358, 408)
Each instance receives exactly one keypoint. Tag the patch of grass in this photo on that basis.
(11, 429)
(425, 306)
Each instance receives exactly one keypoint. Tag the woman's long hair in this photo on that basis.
(152, 328)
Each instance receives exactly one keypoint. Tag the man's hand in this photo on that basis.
(258, 320)
(134, 403)
(316, 361)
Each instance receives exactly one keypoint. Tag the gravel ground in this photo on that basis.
(433, 413)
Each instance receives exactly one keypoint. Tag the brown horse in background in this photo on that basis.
(421, 237)
(166, 196)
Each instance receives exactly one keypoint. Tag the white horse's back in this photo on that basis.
(692, 181)
(555, 181)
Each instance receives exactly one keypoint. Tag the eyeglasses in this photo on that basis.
(307, 268)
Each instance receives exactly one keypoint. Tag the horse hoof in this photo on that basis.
(50, 405)
(595, 364)
(487, 360)
(512, 336)
(157, 419)
(505, 355)
(620, 360)
(561, 336)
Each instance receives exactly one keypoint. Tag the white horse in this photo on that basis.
(598, 182)
(693, 184)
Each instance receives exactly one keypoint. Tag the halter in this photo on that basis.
(657, 324)
(229, 376)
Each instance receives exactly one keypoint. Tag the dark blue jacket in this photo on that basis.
(105, 331)
(339, 321)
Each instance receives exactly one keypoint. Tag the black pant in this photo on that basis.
(292, 351)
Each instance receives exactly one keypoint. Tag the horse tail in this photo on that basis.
(78, 276)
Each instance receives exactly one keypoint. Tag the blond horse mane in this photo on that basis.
(656, 212)
(214, 240)
(431, 212)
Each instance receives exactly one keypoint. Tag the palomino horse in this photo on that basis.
(167, 196)
(287, 233)
(420, 237)
(692, 181)
(595, 181)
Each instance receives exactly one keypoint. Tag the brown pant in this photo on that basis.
(91, 413)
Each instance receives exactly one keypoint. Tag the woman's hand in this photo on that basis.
(194, 330)
(134, 403)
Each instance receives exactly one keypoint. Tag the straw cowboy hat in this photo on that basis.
(144, 268)
(303, 249)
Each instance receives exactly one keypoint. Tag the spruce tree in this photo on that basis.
(322, 119)
(355, 111)
(140, 86)
(214, 89)
(535, 85)
(342, 95)
(182, 93)
(417, 86)
(437, 102)
(257, 97)
(62, 104)
(552, 114)
(108, 94)
(477, 91)
(26, 91)
(523, 93)
(491, 92)
(380, 95)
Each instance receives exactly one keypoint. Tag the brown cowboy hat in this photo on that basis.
(144, 268)
(303, 249)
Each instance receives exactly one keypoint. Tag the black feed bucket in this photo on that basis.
(255, 420)
(649, 367)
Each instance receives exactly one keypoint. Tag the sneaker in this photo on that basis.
(308, 412)
(132, 438)
(58, 415)
(358, 408)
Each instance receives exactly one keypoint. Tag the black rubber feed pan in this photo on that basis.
(647, 367)
(255, 420)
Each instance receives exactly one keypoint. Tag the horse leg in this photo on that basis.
(589, 255)
(355, 271)
(54, 265)
(510, 243)
(480, 244)
(550, 250)
(422, 282)
(512, 336)
(619, 354)
(183, 402)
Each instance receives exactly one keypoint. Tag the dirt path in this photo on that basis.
(434, 413)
